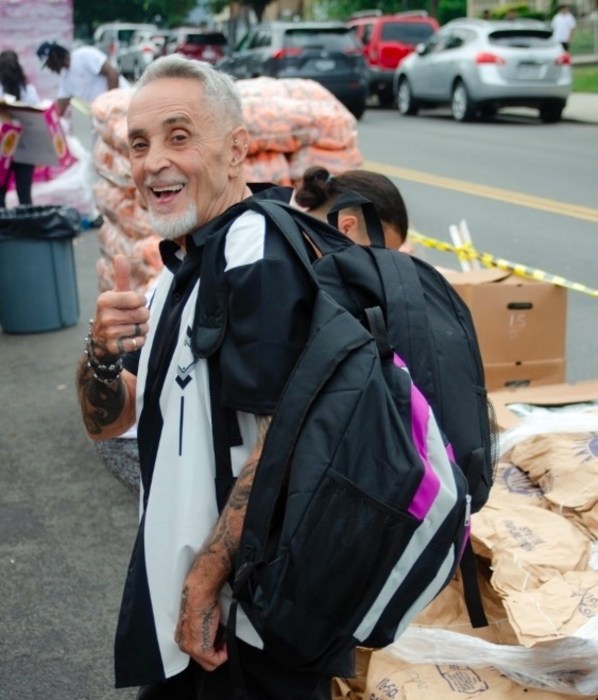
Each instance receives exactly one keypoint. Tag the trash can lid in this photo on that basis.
(47, 222)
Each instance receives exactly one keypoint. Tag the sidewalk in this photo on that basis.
(582, 107)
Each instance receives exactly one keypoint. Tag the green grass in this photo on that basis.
(584, 40)
(585, 78)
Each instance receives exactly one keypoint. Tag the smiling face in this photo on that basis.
(186, 156)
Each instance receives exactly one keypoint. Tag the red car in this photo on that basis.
(386, 40)
(201, 44)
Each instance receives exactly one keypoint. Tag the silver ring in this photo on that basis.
(134, 344)
(137, 330)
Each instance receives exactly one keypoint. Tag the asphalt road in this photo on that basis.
(526, 190)
(66, 524)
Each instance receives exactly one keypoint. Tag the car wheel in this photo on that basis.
(550, 114)
(385, 97)
(462, 108)
(405, 102)
(357, 109)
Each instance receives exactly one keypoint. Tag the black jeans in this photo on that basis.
(23, 180)
(264, 679)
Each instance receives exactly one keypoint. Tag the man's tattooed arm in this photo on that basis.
(108, 410)
(199, 615)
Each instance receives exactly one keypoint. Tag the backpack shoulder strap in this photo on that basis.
(323, 237)
(407, 317)
(373, 225)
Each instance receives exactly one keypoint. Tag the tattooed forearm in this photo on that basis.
(207, 623)
(101, 404)
(222, 545)
(239, 494)
(263, 423)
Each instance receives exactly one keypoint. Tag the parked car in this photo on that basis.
(478, 67)
(386, 40)
(203, 45)
(145, 46)
(112, 37)
(327, 52)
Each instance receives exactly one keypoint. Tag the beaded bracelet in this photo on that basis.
(106, 374)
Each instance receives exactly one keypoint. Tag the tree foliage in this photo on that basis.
(88, 14)
(451, 9)
(341, 9)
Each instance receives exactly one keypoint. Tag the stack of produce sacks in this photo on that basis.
(292, 124)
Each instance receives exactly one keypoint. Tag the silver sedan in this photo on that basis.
(478, 67)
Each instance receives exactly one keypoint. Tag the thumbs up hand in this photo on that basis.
(122, 273)
(121, 319)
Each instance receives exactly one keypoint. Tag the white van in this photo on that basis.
(111, 37)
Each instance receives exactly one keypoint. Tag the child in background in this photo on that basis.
(319, 190)
(13, 82)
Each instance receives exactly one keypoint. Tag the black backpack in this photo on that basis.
(329, 506)
(428, 324)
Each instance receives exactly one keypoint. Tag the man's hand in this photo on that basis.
(120, 326)
(198, 628)
(120, 323)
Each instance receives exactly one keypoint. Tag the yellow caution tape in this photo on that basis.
(468, 252)
(81, 106)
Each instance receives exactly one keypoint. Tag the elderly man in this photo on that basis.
(187, 146)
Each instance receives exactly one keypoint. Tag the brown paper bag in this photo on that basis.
(392, 679)
(565, 467)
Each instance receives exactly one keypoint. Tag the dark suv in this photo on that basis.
(386, 40)
(328, 52)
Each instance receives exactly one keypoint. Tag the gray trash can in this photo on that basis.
(38, 283)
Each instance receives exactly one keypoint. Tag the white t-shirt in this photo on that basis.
(82, 79)
(563, 23)
(29, 96)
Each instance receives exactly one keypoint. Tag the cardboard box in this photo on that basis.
(510, 375)
(42, 141)
(550, 396)
(520, 323)
(516, 319)
(9, 139)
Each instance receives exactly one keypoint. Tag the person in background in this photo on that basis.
(14, 83)
(187, 145)
(84, 73)
(319, 190)
(563, 25)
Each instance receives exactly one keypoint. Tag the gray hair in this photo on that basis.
(219, 88)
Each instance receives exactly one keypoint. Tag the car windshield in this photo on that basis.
(524, 38)
(329, 39)
(407, 32)
(125, 35)
(206, 39)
